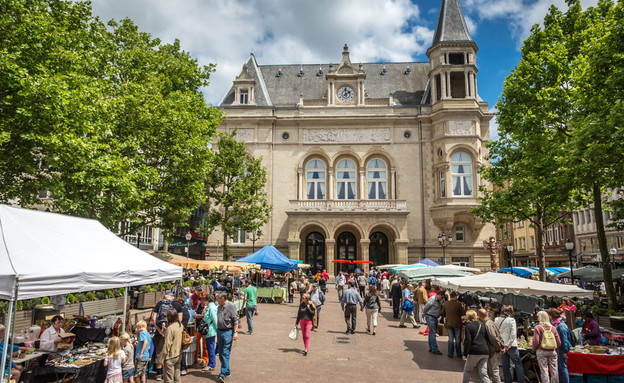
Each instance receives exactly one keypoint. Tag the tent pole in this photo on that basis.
(123, 320)
(9, 328)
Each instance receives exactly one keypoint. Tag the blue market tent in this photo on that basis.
(523, 272)
(428, 262)
(270, 258)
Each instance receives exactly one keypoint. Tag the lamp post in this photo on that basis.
(253, 235)
(188, 237)
(442, 240)
(570, 246)
(510, 252)
(613, 251)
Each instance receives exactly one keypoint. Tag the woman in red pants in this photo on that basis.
(305, 317)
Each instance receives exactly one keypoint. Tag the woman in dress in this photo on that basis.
(305, 316)
(546, 358)
(476, 350)
(373, 307)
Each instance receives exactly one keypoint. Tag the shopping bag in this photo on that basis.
(293, 333)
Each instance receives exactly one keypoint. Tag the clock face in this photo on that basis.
(346, 94)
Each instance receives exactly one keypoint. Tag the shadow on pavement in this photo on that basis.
(295, 350)
(428, 361)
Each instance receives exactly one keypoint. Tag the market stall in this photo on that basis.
(416, 274)
(44, 253)
(213, 265)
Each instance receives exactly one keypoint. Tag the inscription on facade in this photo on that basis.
(460, 128)
(345, 136)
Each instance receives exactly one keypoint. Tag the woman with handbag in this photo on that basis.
(210, 319)
(305, 318)
(476, 348)
(200, 340)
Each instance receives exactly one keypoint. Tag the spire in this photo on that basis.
(451, 24)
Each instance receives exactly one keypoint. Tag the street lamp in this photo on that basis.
(613, 251)
(188, 237)
(442, 240)
(510, 252)
(570, 246)
(253, 235)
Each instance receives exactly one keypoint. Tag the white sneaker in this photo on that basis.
(158, 377)
(183, 372)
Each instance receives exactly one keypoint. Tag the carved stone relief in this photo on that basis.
(245, 135)
(460, 128)
(313, 136)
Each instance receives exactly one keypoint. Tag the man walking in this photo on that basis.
(408, 306)
(432, 311)
(340, 284)
(251, 304)
(421, 298)
(318, 298)
(227, 332)
(159, 318)
(349, 302)
(396, 295)
(452, 311)
(495, 344)
(361, 284)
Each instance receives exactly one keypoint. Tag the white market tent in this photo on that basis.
(430, 272)
(510, 284)
(44, 253)
(461, 268)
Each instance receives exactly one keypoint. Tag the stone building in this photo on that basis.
(368, 161)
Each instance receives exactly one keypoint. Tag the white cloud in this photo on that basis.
(493, 124)
(278, 31)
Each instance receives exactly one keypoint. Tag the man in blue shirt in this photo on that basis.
(349, 301)
(433, 309)
(408, 307)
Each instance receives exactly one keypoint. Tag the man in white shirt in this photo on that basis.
(340, 284)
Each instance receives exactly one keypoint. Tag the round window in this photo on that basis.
(440, 153)
(407, 134)
(285, 135)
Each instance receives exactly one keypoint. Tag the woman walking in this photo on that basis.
(507, 325)
(171, 355)
(545, 343)
(305, 316)
(566, 343)
(373, 307)
(476, 349)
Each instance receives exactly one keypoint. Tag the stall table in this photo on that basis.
(579, 363)
(266, 295)
(90, 373)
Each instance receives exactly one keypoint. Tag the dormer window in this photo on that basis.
(456, 58)
(244, 97)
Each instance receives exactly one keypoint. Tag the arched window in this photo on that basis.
(315, 180)
(376, 179)
(345, 180)
(461, 174)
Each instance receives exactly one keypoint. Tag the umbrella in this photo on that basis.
(360, 261)
(615, 274)
(341, 261)
(582, 272)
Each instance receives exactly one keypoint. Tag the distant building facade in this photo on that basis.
(368, 162)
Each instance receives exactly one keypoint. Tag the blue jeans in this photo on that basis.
(224, 346)
(562, 366)
(514, 355)
(210, 345)
(250, 313)
(432, 322)
(454, 341)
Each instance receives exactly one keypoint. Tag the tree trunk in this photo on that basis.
(226, 251)
(604, 249)
(539, 246)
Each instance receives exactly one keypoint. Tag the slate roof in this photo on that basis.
(284, 90)
(451, 24)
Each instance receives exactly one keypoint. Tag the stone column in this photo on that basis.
(443, 85)
(330, 245)
(401, 251)
(393, 183)
(433, 90)
(362, 186)
(300, 192)
(293, 248)
(330, 186)
(471, 78)
(466, 87)
(364, 250)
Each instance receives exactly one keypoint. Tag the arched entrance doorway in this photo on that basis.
(346, 248)
(378, 249)
(315, 252)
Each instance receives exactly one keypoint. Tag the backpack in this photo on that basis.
(161, 317)
(372, 281)
(548, 341)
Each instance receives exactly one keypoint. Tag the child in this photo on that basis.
(143, 351)
(127, 370)
(114, 359)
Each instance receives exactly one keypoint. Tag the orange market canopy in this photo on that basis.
(213, 265)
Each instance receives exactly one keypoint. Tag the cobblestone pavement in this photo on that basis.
(393, 355)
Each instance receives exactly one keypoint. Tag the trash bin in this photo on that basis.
(189, 353)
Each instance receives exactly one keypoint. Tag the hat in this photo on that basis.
(169, 292)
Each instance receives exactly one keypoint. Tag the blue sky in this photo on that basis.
(225, 32)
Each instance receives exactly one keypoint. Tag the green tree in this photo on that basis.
(528, 173)
(236, 196)
(597, 141)
(110, 122)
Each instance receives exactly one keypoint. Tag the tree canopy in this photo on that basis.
(105, 120)
(237, 199)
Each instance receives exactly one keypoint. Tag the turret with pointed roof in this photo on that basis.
(451, 24)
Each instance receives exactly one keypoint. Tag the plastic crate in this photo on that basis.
(577, 378)
(596, 378)
(188, 357)
(615, 378)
